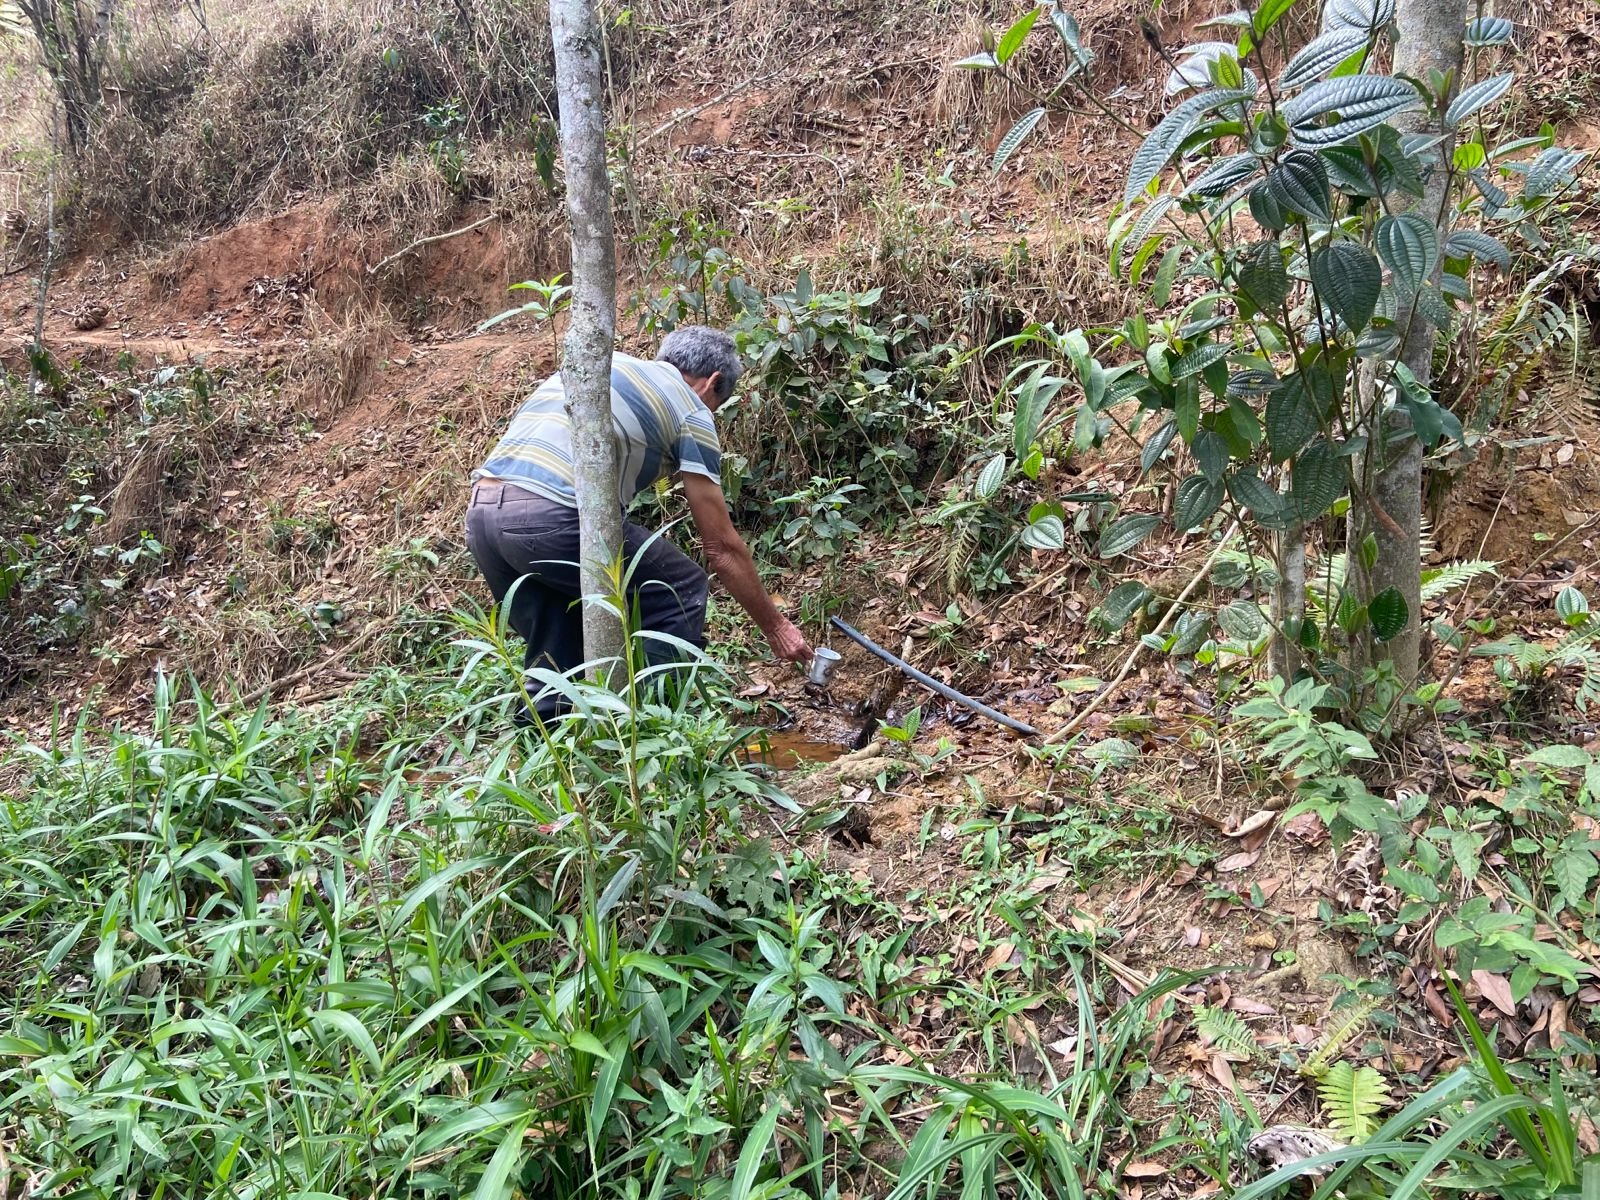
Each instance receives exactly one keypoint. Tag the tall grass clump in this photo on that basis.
(204, 124)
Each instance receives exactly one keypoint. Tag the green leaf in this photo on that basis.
(1197, 499)
(1151, 454)
(1197, 358)
(617, 886)
(1563, 758)
(1489, 31)
(495, 1182)
(1250, 491)
(1189, 632)
(1123, 601)
(1321, 55)
(1223, 175)
(1268, 15)
(348, 1026)
(753, 1154)
(1317, 479)
(977, 62)
(1166, 274)
(1186, 409)
(1465, 243)
(1210, 454)
(1389, 614)
(1264, 207)
(1369, 551)
(1163, 141)
(1551, 171)
(1480, 95)
(1047, 533)
(1011, 41)
(1370, 15)
(1125, 534)
(1348, 280)
(1359, 102)
(1409, 247)
(1300, 184)
(1262, 276)
(1572, 606)
(1140, 233)
(1352, 1097)
(1016, 135)
(1241, 620)
(992, 476)
(1293, 419)
(1571, 871)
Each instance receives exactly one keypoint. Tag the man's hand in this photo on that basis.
(788, 642)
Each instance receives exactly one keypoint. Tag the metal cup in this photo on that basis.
(823, 661)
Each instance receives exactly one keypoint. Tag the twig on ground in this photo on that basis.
(679, 118)
(428, 241)
(1071, 726)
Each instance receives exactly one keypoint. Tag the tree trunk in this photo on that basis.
(591, 329)
(1288, 603)
(1430, 39)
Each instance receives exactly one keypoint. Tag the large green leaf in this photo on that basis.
(1015, 136)
(1489, 31)
(1122, 602)
(1348, 280)
(1163, 141)
(1264, 207)
(991, 477)
(1197, 499)
(1293, 419)
(1241, 620)
(1321, 55)
(1250, 491)
(1550, 172)
(1141, 230)
(1049, 532)
(1300, 184)
(1316, 481)
(1389, 614)
(1196, 359)
(1011, 40)
(1125, 533)
(1358, 14)
(1157, 445)
(1223, 175)
(1359, 102)
(1409, 247)
(1263, 279)
(1253, 381)
(1210, 454)
(1470, 243)
(1480, 95)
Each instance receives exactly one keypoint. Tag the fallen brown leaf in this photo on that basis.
(1496, 990)
(1143, 1170)
(1251, 824)
(999, 957)
(1238, 862)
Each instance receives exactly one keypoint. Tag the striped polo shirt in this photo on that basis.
(662, 428)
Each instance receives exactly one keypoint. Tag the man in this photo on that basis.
(523, 519)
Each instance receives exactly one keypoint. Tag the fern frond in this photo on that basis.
(1352, 1098)
(963, 544)
(1344, 1025)
(1226, 1031)
(1440, 581)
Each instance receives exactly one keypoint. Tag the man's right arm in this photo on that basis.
(730, 561)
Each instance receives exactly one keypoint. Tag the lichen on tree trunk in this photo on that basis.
(591, 331)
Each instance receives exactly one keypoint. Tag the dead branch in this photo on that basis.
(428, 241)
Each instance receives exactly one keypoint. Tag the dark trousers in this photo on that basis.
(516, 534)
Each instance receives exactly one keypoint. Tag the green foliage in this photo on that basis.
(1478, 1131)
(818, 529)
(1352, 1097)
(1529, 669)
(1289, 218)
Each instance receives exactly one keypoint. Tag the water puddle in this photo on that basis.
(786, 749)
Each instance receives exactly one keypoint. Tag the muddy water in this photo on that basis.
(786, 749)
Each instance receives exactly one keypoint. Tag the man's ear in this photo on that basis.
(713, 389)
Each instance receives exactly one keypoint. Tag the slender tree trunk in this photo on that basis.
(591, 329)
(1288, 603)
(1430, 39)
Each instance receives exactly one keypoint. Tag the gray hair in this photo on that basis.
(700, 352)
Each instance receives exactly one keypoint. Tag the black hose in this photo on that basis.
(927, 681)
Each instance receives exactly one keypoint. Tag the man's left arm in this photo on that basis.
(730, 561)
